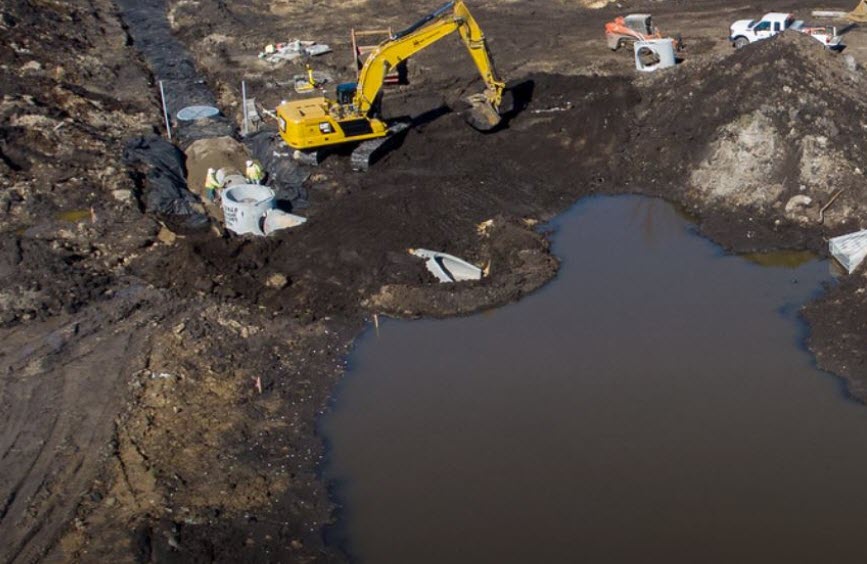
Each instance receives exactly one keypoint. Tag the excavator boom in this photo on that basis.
(320, 122)
(451, 17)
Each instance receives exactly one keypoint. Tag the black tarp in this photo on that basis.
(170, 63)
(285, 176)
(165, 187)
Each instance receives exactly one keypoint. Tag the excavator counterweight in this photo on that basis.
(316, 123)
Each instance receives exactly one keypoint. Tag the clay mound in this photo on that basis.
(217, 153)
(779, 118)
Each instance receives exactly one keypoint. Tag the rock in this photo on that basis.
(798, 201)
(796, 207)
(31, 66)
(850, 62)
(122, 196)
(277, 281)
(167, 236)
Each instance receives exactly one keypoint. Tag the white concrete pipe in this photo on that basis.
(244, 206)
(654, 54)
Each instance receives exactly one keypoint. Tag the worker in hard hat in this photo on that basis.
(254, 172)
(211, 185)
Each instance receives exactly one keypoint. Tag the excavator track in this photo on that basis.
(310, 157)
(368, 151)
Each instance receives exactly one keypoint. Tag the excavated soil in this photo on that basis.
(161, 390)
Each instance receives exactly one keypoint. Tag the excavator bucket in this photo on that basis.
(859, 14)
(482, 114)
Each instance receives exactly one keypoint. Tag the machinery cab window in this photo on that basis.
(346, 92)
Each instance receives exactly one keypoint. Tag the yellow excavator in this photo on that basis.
(315, 123)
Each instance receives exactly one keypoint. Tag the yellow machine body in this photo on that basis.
(320, 122)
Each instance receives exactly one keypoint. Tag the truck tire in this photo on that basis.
(740, 42)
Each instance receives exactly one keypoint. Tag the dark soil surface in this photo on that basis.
(161, 389)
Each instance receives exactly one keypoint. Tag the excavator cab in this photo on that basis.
(346, 92)
(640, 23)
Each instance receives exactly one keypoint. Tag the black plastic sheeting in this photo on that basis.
(166, 192)
(165, 187)
(169, 62)
(285, 176)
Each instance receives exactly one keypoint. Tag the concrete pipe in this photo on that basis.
(654, 54)
(244, 207)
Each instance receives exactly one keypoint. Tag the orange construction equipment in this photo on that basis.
(634, 27)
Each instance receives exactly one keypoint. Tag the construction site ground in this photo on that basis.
(160, 389)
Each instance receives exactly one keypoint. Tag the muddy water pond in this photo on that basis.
(654, 403)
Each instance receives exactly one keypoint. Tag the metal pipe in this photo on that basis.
(245, 129)
(165, 111)
(828, 205)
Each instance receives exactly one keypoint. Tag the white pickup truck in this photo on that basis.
(744, 32)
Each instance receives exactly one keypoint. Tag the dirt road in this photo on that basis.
(133, 426)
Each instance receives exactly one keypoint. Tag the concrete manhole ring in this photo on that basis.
(192, 113)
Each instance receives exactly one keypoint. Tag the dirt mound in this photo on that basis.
(778, 119)
(216, 153)
(517, 257)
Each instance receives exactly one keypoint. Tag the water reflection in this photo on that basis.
(652, 404)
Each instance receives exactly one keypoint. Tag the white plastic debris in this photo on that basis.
(448, 268)
(828, 14)
(275, 220)
(292, 50)
(849, 250)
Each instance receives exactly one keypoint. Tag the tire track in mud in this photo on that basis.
(65, 383)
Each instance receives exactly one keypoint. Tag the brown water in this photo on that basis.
(654, 403)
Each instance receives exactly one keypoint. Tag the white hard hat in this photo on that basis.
(210, 170)
(249, 163)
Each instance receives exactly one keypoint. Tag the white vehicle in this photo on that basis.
(744, 32)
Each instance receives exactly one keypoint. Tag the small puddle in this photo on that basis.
(654, 403)
(787, 259)
(74, 216)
